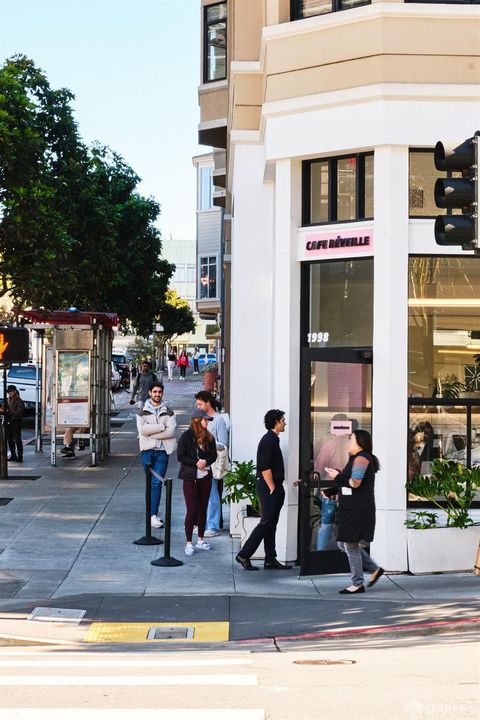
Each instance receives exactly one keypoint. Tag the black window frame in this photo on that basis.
(296, 9)
(332, 190)
(206, 25)
(209, 265)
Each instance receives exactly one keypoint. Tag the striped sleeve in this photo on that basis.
(359, 468)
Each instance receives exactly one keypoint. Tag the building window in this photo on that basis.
(422, 177)
(338, 189)
(301, 9)
(191, 273)
(205, 199)
(443, 362)
(208, 277)
(215, 39)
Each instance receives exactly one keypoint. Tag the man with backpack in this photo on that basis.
(142, 384)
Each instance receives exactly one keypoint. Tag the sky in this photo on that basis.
(133, 66)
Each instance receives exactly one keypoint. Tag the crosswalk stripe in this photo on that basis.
(78, 680)
(138, 714)
(55, 663)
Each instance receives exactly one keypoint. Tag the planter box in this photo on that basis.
(442, 549)
(248, 523)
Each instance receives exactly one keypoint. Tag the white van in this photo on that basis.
(23, 377)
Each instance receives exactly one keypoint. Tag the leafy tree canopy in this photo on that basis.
(74, 230)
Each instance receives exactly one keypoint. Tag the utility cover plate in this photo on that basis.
(170, 633)
(64, 615)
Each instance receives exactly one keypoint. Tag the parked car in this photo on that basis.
(115, 377)
(24, 378)
(206, 359)
(123, 366)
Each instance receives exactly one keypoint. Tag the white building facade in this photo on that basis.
(345, 302)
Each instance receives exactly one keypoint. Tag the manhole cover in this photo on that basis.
(5, 501)
(57, 615)
(170, 633)
(324, 662)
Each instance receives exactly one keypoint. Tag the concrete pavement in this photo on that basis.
(66, 540)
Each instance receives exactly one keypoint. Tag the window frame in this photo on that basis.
(201, 262)
(206, 25)
(296, 9)
(332, 190)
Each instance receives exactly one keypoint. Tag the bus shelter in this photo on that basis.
(75, 349)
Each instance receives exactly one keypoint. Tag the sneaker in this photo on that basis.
(189, 549)
(211, 533)
(156, 522)
(66, 449)
(69, 454)
(203, 545)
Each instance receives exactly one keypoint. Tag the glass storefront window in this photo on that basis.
(444, 327)
(319, 192)
(368, 200)
(341, 304)
(422, 177)
(346, 188)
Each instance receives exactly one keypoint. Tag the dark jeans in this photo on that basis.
(183, 370)
(195, 366)
(196, 493)
(158, 461)
(14, 438)
(266, 528)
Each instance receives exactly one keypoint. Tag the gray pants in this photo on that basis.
(358, 559)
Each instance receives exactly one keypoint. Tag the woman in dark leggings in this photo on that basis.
(196, 452)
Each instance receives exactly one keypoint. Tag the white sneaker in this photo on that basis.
(156, 522)
(211, 533)
(203, 545)
(189, 549)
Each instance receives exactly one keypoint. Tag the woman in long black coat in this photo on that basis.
(356, 508)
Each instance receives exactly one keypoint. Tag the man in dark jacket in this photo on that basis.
(270, 477)
(142, 385)
(16, 409)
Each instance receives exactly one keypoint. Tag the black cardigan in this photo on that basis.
(188, 454)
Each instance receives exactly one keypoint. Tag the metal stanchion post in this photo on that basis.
(167, 560)
(148, 539)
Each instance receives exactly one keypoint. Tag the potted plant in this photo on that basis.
(448, 543)
(210, 376)
(447, 387)
(240, 483)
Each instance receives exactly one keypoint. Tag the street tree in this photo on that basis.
(74, 229)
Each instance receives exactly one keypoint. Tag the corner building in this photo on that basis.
(341, 307)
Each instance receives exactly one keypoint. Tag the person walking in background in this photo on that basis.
(218, 427)
(196, 356)
(356, 522)
(196, 452)
(16, 410)
(270, 477)
(156, 425)
(142, 384)
(183, 364)
(171, 362)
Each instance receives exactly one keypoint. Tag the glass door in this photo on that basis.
(336, 399)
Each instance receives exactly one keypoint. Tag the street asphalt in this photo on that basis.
(66, 542)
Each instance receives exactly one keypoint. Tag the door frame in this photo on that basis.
(332, 561)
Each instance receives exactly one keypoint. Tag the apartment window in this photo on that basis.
(191, 273)
(208, 277)
(338, 189)
(308, 8)
(205, 200)
(215, 38)
(422, 177)
(179, 274)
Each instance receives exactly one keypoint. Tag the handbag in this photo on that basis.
(221, 464)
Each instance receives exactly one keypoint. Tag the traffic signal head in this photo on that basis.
(461, 193)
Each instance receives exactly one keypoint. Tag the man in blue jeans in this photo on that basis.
(156, 426)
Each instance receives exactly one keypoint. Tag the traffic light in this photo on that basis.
(13, 345)
(461, 192)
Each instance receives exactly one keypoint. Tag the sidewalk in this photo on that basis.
(69, 535)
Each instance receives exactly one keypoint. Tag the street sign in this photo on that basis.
(13, 345)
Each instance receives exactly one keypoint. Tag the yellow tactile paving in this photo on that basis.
(111, 632)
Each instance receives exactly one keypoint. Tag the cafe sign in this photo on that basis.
(335, 243)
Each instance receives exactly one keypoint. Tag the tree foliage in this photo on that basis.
(74, 230)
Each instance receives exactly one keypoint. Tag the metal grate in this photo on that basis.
(170, 633)
(46, 614)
